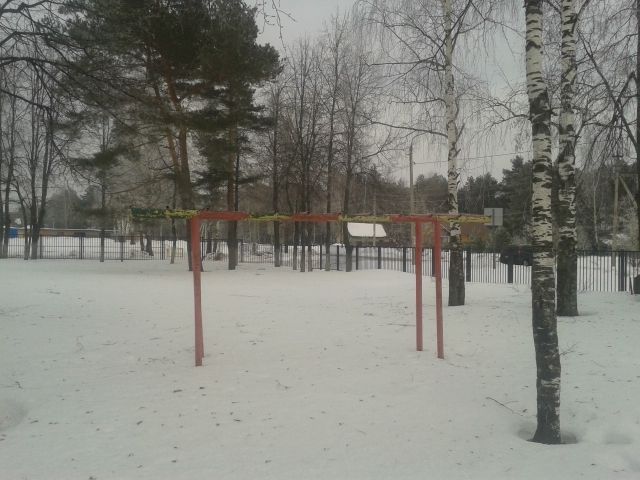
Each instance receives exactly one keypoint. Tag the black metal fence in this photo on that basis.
(597, 271)
(89, 248)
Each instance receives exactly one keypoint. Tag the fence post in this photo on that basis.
(510, 270)
(357, 256)
(162, 248)
(404, 259)
(81, 248)
(338, 257)
(622, 271)
(321, 256)
(433, 262)
(468, 272)
(379, 257)
(241, 246)
(122, 239)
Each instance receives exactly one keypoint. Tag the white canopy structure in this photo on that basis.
(366, 230)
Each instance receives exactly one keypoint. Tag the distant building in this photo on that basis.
(366, 233)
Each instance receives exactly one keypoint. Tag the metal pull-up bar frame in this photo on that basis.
(196, 216)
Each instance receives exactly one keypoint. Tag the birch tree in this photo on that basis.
(421, 38)
(544, 322)
(567, 260)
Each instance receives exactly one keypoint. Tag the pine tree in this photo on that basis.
(177, 67)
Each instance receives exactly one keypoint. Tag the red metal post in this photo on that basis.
(438, 264)
(418, 256)
(197, 288)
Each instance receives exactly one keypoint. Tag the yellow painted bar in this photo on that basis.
(317, 217)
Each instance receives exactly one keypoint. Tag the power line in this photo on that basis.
(475, 158)
(481, 157)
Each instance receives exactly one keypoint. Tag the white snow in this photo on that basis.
(305, 376)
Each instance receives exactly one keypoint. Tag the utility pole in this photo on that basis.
(411, 198)
(630, 195)
(374, 214)
(411, 193)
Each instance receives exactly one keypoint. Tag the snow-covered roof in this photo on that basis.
(366, 230)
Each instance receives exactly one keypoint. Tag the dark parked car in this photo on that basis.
(517, 255)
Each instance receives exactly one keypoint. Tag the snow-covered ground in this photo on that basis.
(306, 376)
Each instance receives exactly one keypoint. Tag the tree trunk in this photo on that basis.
(544, 322)
(232, 201)
(303, 248)
(209, 245)
(277, 260)
(27, 242)
(102, 235)
(637, 143)
(8, 158)
(232, 244)
(149, 246)
(174, 240)
(296, 237)
(103, 207)
(183, 179)
(456, 275)
(567, 260)
(309, 249)
(327, 246)
(595, 240)
(35, 241)
(346, 207)
(277, 257)
(456, 264)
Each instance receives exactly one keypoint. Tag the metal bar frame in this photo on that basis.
(195, 218)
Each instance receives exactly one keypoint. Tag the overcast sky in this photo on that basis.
(307, 17)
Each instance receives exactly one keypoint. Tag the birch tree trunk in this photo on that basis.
(456, 264)
(545, 333)
(637, 136)
(566, 207)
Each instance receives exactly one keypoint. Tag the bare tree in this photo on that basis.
(275, 93)
(41, 143)
(10, 112)
(332, 71)
(359, 106)
(610, 37)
